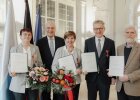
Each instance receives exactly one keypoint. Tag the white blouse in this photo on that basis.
(28, 51)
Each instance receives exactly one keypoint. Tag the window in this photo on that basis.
(65, 18)
(63, 13)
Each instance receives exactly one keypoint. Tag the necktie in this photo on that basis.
(99, 47)
(52, 47)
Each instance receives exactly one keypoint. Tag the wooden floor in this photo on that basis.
(83, 91)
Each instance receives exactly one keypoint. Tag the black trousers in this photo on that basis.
(93, 87)
(75, 91)
(29, 95)
(46, 95)
(123, 96)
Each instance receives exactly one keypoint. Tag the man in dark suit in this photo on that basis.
(103, 48)
(47, 46)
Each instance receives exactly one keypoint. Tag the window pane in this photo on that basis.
(70, 26)
(69, 13)
(62, 11)
(62, 27)
(50, 8)
(42, 7)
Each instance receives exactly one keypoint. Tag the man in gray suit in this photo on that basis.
(128, 86)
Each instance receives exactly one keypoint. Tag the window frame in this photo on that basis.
(71, 3)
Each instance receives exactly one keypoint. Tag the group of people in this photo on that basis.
(50, 48)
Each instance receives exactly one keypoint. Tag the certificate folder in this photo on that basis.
(116, 66)
(89, 62)
(68, 63)
(19, 62)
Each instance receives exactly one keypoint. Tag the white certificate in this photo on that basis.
(89, 62)
(116, 66)
(19, 62)
(67, 63)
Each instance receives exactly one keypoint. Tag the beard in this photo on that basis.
(130, 40)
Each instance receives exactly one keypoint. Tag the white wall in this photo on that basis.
(105, 12)
(120, 20)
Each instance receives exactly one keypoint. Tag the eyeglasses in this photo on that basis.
(98, 29)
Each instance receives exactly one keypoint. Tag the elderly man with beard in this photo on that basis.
(128, 86)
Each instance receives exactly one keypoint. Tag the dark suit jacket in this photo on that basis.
(102, 61)
(45, 50)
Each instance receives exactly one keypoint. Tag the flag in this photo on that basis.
(10, 39)
(38, 28)
(38, 33)
(27, 18)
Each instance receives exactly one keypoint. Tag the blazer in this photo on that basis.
(102, 61)
(45, 52)
(62, 52)
(19, 81)
(132, 69)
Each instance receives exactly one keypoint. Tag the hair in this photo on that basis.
(69, 33)
(50, 22)
(99, 22)
(25, 30)
(130, 27)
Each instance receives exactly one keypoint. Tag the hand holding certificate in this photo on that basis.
(116, 66)
(89, 62)
(68, 63)
(19, 62)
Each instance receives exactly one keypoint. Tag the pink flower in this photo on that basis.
(42, 78)
(32, 73)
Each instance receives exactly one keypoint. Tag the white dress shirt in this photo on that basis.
(102, 40)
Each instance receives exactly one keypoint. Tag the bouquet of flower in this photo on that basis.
(63, 80)
(39, 78)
